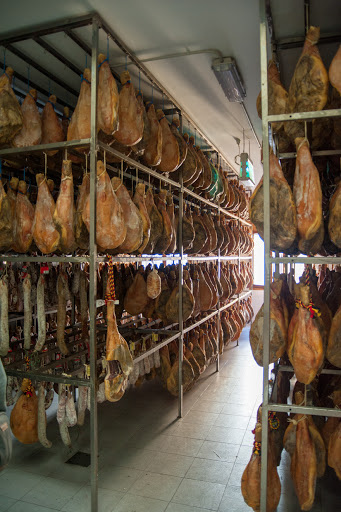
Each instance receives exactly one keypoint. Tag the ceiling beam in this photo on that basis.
(44, 44)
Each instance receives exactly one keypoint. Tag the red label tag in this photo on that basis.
(24, 271)
(44, 269)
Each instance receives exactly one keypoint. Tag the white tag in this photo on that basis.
(101, 302)
(4, 426)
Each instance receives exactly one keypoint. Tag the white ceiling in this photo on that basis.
(158, 27)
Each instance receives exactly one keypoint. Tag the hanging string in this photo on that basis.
(5, 60)
(163, 101)
(152, 92)
(108, 46)
(86, 164)
(122, 170)
(172, 112)
(24, 171)
(111, 281)
(28, 77)
(0, 168)
(49, 87)
(139, 81)
(126, 62)
(195, 136)
(105, 160)
(86, 60)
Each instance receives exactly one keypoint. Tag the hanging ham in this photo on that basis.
(170, 148)
(334, 223)
(156, 222)
(277, 96)
(45, 234)
(308, 201)
(165, 239)
(80, 127)
(110, 226)
(283, 223)
(130, 115)
(335, 71)
(309, 85)
(153, 150)
(132, 218)
(139, 201)
(108, 97)
(51, 126)
(23, 220)
(11, 118)
(31, 132)
(64, 213)
(81, 232)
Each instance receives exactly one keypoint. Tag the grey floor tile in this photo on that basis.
(52, 493)
(229, 420)
(233, 501)
(207, 406)
(226, 435)
(6, 503)
(218, 451)
(130, 503)
(244, 454)
(199, 494)
(207, 418)
(219, 396)
(116, 478)
(152, 485)
(21, 506)
(131, 458)
(213, 471)
(237, 410)
(236, 475)
(181, 445)
(179, 507)
(71, 473)
(81, 501)
(192, 430)
(15, 483)
(170, 464)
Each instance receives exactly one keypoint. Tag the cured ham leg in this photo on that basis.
(153, 151)
(170, 157)
(44, 231)
(79, 127)
(81, 232)
(64, 213)
(51, 127)
(11, 119)
(130, 116)
(156, 221)
(277, 96)
(31, 132)
(107, 102)
(23, 220)
(334, 223)
(165, 239)
(335, 71)
(282, 208)
(139, 201)
(308, 200)
(306, 339)
(110, 226)
(132, 218)
(334, 341)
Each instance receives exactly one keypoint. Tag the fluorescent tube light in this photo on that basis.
(227, 75)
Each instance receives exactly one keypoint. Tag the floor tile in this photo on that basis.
(236, 475)
(152, 485)
(182, 446)
(192, 430)
(218, 451)
(6, 503)
(226, 435)
(237, 410)
(207, 418)
(210, 471)
(52, 493)
(15, 483)
(130, 503)
(81, 501)
(170, 464)
(21, 506)
(199, 494)
(244, 455)
(71, 473)
(117, 478)
(229, 420)
(207, 406)
(131, 458)
(233, 501)
(179, 507)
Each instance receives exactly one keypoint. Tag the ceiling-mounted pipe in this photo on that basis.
(215, 51)
(250, 124)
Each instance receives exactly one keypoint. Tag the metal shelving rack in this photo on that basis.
(265, 16)
(95, 146)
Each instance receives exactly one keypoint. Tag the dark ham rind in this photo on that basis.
(82, 403)
(61, 416)
(42, 417)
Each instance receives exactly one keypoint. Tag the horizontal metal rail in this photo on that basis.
(325, 371)
(46, 147)
(305, 116)
(298, 42)
(327, 152)
(135, 259)
(304, 409)
(329, 260)
(156, 348)
(48, 378)
(23, 258)
(44, 44)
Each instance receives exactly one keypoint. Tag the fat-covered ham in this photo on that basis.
(45, 234)
(308, 200)
(23, 220)
(52, 129)
(139, 201)
(11, 119)
(153, 150)
(110, 226)
(277, 96)
(31, 132)
(64, 213)
(132, 218)
(130, 115)
(108, 97)
(79, 127)
(170, 157)
(335, 71)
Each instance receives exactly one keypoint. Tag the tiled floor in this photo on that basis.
(150, 461)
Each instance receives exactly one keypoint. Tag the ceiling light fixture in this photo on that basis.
(227, 75)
